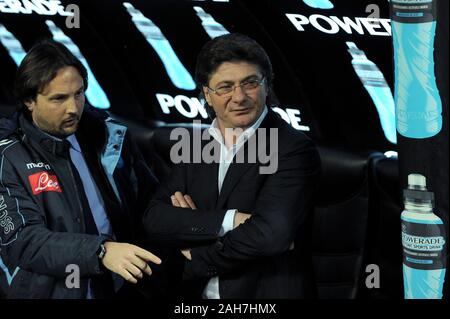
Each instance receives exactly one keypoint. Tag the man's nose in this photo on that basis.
(238, 94)
(73, 106)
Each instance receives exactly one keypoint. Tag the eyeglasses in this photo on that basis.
(228, 89)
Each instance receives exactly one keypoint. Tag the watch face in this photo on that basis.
(101, 251)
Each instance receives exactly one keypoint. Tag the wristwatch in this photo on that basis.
(101, 251)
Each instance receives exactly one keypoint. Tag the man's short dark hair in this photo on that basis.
(233, 47)
(40, 66)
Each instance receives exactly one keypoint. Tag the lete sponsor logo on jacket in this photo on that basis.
(5, 220)
(44, 182)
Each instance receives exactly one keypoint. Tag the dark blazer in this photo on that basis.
(254, 260)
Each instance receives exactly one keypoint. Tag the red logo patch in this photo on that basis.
(43, 182)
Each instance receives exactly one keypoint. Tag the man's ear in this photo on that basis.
(30, 105)
(267, 88)
(206, 95)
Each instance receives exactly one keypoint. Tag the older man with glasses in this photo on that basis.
(242, 233)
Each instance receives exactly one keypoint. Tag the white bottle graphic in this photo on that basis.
(178, 74)
(11, 44)
(423, 240)
(375, 83)
(319, 4)
(211, 26)
(94, 93)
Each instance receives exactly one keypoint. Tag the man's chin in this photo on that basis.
(67, 131)
(244, 121)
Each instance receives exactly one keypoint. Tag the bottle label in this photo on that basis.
(423, 245)
(413, 11)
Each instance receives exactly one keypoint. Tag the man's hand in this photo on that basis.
(184, 201)
(186, 253)
(128, 261)
(240, 218)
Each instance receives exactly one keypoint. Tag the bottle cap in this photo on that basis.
(199, 9)
(354, 50)
(417, 191)
(417, 181)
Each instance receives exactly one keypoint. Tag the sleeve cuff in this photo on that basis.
(228, 222)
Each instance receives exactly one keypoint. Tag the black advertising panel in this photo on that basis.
(24, 23)
(341, 51)
(157, 43)
(145, 50)
(333, 68)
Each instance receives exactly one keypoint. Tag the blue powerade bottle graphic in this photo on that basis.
(178, 74)
(319, 4)
(423, 240)
(419, 105)
(9, 41)
(375, 83)
(94, 93)
(211, 26)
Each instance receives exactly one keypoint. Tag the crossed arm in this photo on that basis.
(185, 201)
(282, 205)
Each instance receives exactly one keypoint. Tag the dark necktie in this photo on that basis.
(89, 222)
(101, 286)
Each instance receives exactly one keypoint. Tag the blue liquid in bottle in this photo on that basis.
(419, 105)
(178, 74)
(423, 239)
(94, 93)
(375, 84)
(12, 45)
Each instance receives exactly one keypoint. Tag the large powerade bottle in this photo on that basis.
(423, 240)
(418, 103)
